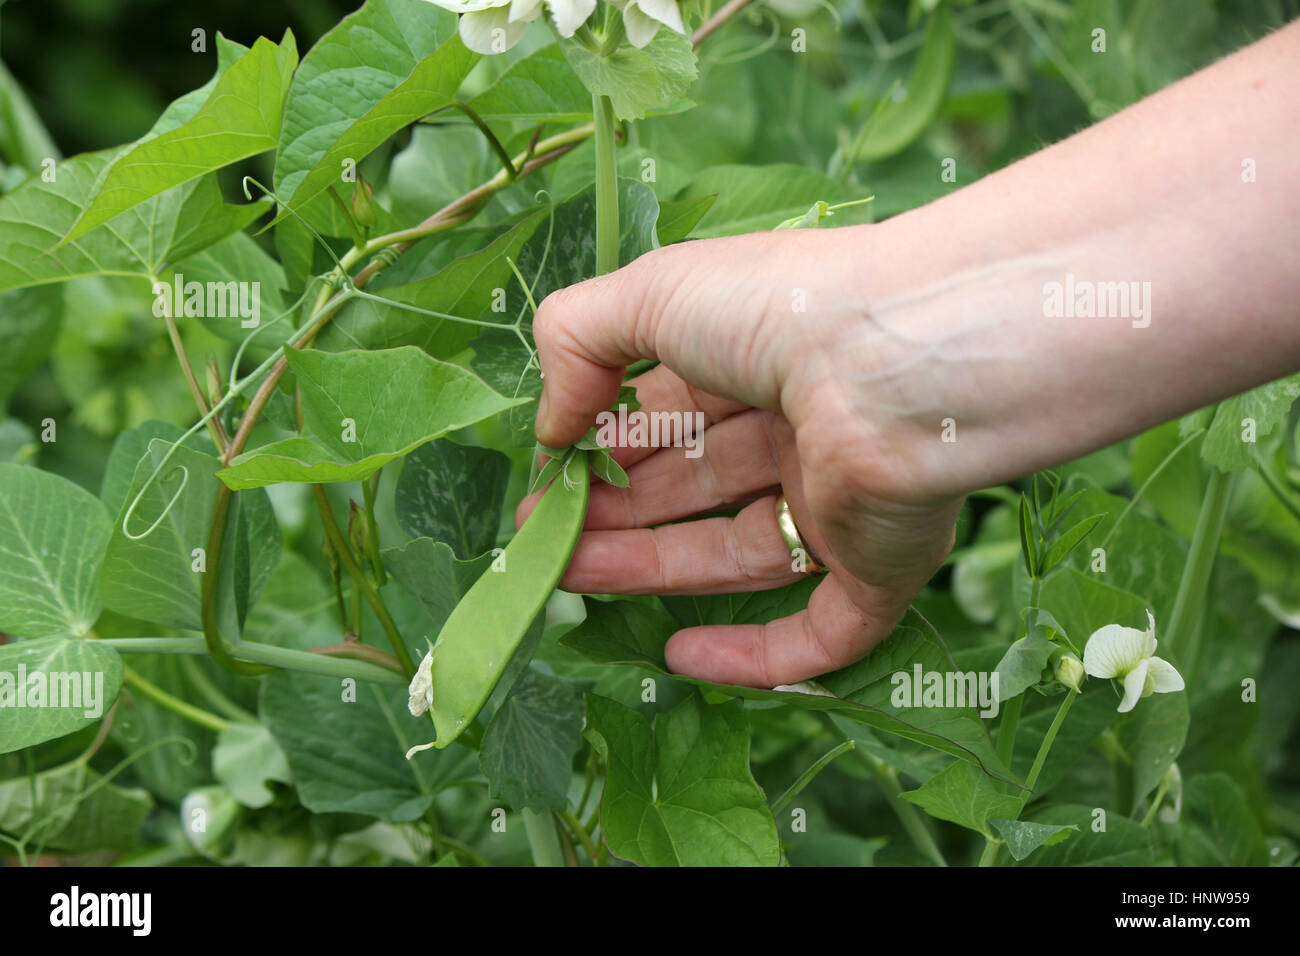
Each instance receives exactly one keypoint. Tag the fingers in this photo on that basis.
(831, 633)
(738, 460)
(663, 390)
(699, 307)
(711, 556)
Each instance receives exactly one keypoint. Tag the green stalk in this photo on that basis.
(177, 706)
(807, 776)
(1041, 757)
(543, 840)
(886, 778)
(372, 596)
(1011, 712)
(606, 187)
(1192, 588)
(267, 654)
(990, 855)
(1007, 728)
(580, 834)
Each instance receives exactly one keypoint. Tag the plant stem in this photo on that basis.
(886, 778)
(807, 776)
(1155, 802)
(990, 855)
(283, 657)
(177, 706)
(1041, 757)
(214, 424)
(580, 834)
(369, 489)
(372, 596)
(203, 684)
(1277, 488)
(606, 186)
(543, 839)
(1190, 600)
(717, 20)
(1007, 728)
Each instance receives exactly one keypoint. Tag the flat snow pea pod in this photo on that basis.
(486, 628)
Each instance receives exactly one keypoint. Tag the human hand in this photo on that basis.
(788, 405)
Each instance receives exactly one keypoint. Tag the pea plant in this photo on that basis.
(271, 384)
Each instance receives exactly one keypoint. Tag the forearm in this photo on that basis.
(1153, 198)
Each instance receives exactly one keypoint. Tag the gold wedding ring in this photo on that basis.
(793, 539)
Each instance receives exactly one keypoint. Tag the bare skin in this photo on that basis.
(936, 314)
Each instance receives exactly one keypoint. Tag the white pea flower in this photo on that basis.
(494, 26)
(643, 18)
(1126, 653)
(422, 687)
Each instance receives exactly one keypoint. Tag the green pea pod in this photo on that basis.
(486, 628)
(898, 125)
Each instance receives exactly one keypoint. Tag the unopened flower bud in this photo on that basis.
(1070, 672)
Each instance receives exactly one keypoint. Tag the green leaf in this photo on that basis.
(24, 141)
(677, 218)
(17, 443)
(166, 228)
(899, 122)
(72, 808)
(1241, 422)
(1023, 838)
(1022, 665)
(52, 537)
(169, 755)
(636, 81)
(961, 794)
(345, 747)
(381, 69)
(245, 758)
(76, 680)
(454, 494)
(1153, 734)
(466, 287)
(540, 87)
(627, 632)
(239, 258)
(154, 578)
(1067, 542)
(240, 118)
(1111, 840)
(680, 792)
(1218, 828)
(1028, 541)
(527, 751)
(107, 817)
(759, 198)
(1083, 604)
(431, 572)
(362, 410)
(128, 448)
(439, 165)
(29, 326)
